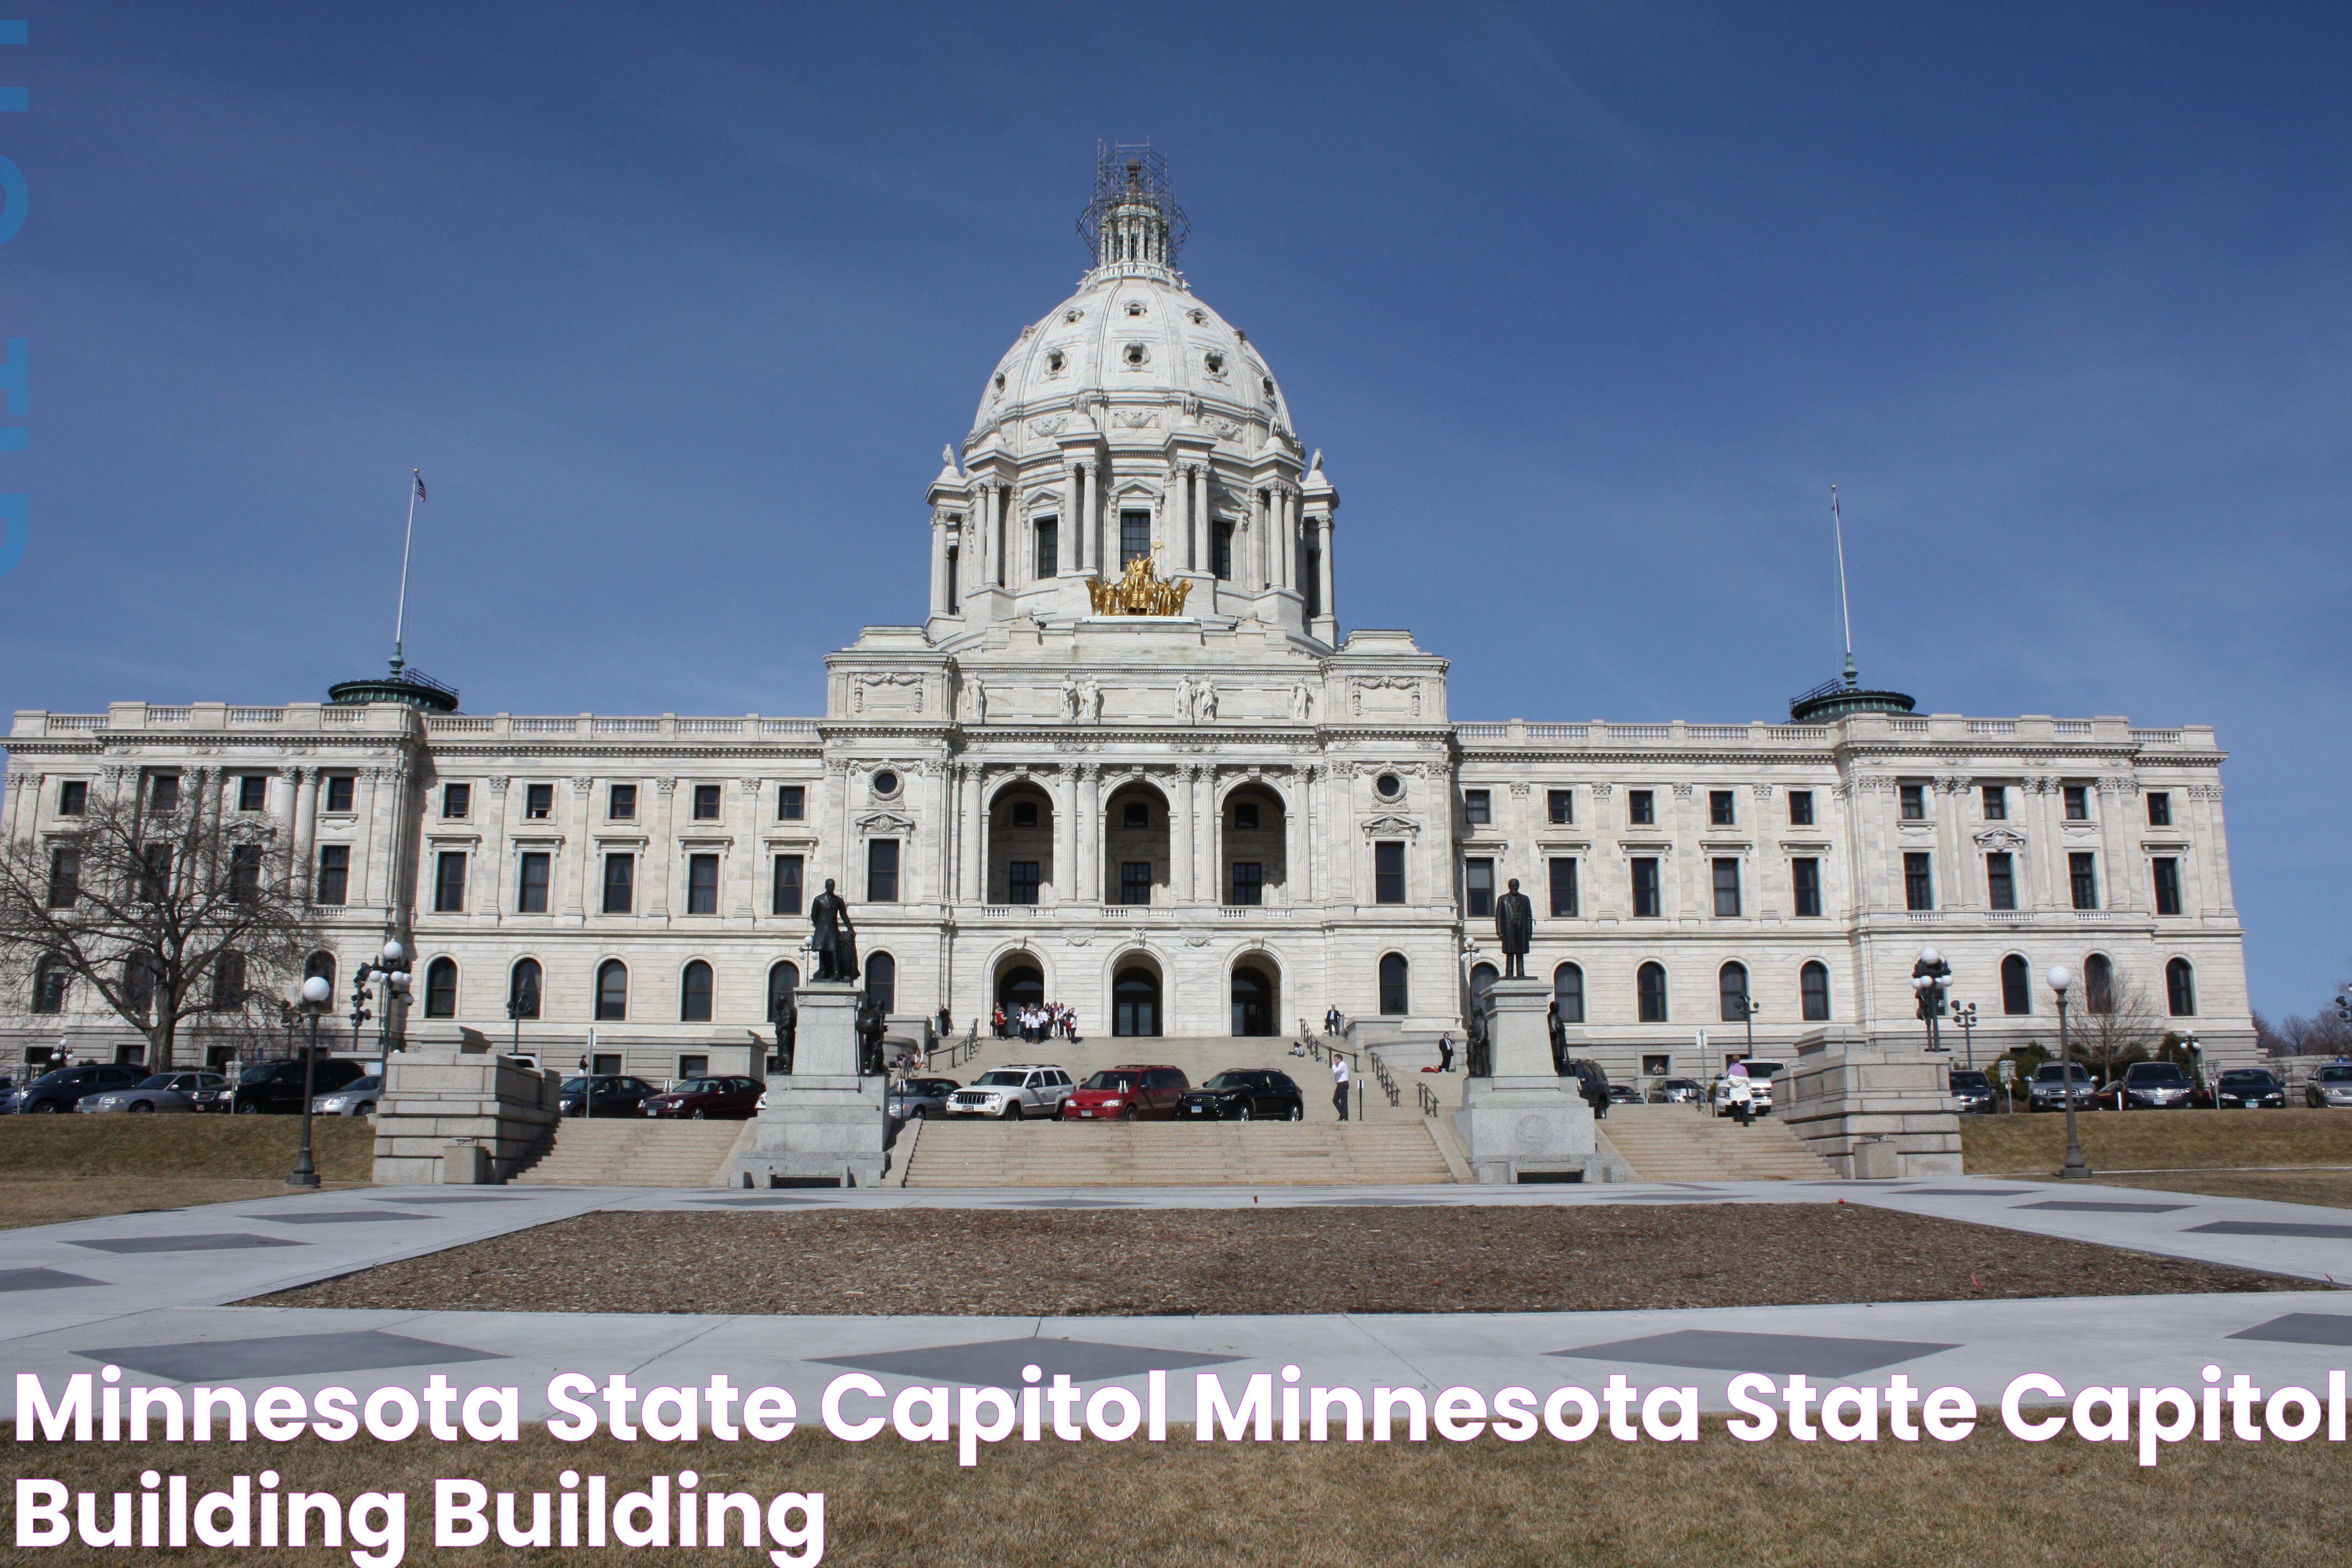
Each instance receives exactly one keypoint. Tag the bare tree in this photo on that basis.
(177, 912)
(2126, 1030)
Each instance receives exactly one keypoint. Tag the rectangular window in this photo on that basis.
(245, 873)
(1387, 872)
(1134, 537)
(163, 792)
(1996, 803)
(449, 883)
(882, 871)
(791, 803)
(1645, 887)
(1135, 881)
(1559, 804)
(1477, 807)
(606, 1064)
(340, 788)
(456, 800)
(2167, 886)
(693, 1066)
(621, 803)
(2082, 875)
(1914, 803)
(1563, 886)
(702, 884)
(1727, 885)
(155, 872)
(954, 561)
(1249, 883)
(1918, 881)
(784, 885)
(1722, 808)
(65, 879)
(253, 792)
(1800, 809)
(1641, 808)
(1805, 877)
(1478, 887)
(706, 802)
(620, 884)
(538, 801)
(334, 873)
(530, 889)
(2000, 881)
(2159, 809)
(1021, 882)
(73, 797)
(1221, 550)
(1049, 546)
(1314, 580)
(2078, 803)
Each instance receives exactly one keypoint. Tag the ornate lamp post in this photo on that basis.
(1748, 1008)
(522, 1001)
(1966, 1018)
(394, 979)
(2076, 1168)
(1929, 978)
(316, 997)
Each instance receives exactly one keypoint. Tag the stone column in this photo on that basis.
(661, 849)
(1091, 549)
(585, 868)
(2049, 843)
(1208, 828)
(1088, 833)
(972, 835)
(1293, 839)
(1180, 835)
(303, 833)
(2119, 869)
(1323, 566)
(1066, 830)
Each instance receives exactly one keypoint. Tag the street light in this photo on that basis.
(316, 996)
(394, 979)
(1929, 977)
(1748, 1008)
(1966, 1018)
(522, 1001)
(2076, 1168)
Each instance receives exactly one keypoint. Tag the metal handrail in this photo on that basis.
(1430, 1104)
(1380, 1072)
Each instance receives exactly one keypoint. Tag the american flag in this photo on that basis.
(420, 483)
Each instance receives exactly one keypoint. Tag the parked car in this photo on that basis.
(1243, 1094)
(357, 1098)
(1128, 1093)
(705, 1099)
(917, 1098)
(616, 1094)
(1680, 1092)
(2150, 1086)
(2054, 1084)
(1759, 1089)
(1624, 1094)
(2244, 1088)
(158, 1091)
(1021, 1089)
(1974, 1091)
(2331, 1085)
(62, 1089)
(276, 1088)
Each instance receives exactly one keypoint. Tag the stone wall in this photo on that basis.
(1869, 1108)
(464, 1095)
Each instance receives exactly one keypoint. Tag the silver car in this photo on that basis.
(356, 1098)
(1019, 1091)
(2330, 1086)
(920, 1098)
(163, 1091)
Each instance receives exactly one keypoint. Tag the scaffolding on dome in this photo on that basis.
(1130, 171)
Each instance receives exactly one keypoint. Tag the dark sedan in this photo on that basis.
(2246, 1089)
(1243, 1094)
(615, 1095)
(2150, 1086)
(704, 1100)
(276, 1088)
(65, 1088)
(1974, 1091)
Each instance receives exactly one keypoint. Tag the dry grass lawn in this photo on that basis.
(2024, 1145)
(56, 1168)
(1987, 1500)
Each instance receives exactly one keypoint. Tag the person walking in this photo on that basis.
(1340, 1084)
(1445, 1052)
(1743, 1098)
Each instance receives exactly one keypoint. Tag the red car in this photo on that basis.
(1127, 1093)
(706, 1100)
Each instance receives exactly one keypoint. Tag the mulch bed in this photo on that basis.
(1246, 1261)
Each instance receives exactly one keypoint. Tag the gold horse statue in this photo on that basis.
(1139, 591)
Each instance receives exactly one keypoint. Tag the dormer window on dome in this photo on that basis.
(1053, 362)
(1135, 306)
(1217, 363)
(1266, 381)
(1135, 356)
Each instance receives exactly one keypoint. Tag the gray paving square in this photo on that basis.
(752, 1202)
(1969, 1192)
(2303, 1329)
(2075, 1205)
(1369, 1202)
(1070, 1203)
(285, 1355)
(343, 1216)
(2274, 1227)
(997, 1363)
(222, 1241)
(41, 1279)
(1812, 1354)
(467, 1198)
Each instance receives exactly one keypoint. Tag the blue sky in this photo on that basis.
(1588, 306)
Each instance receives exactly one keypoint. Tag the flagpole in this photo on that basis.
(1845, 606)
(400, 616)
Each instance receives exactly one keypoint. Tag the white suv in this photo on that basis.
(1012, 1092)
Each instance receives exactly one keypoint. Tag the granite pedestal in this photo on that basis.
(1526, 1122)
(824, 1124)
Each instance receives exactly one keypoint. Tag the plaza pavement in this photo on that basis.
(150, 1292)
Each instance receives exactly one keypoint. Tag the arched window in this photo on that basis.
(694, 994)
(1650, 991)
(1731, 991)
(2016, 985)
(320, 966)
(441, 988)
(1396, 988)
(2180, 988)
(2098, 983)
(1813, 989)
(1568, 993)
(612, 991)
(524, 984)
(783, 979)
(49, 982)
(882, 980)
(1482, 978)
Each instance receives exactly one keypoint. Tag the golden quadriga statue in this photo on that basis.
(1137, 592)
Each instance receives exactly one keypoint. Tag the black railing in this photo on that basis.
(1380, 1073)
(1429, 1105)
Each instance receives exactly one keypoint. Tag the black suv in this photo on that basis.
(277, 1086)
(65, 1088)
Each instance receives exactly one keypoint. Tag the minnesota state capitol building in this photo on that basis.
(1131, 761)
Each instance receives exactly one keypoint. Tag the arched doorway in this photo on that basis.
(1135, 852)
(1020, 982)
(1135, 1002)
(1257, 1000)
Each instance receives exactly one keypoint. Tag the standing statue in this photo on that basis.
(1188, 701)
(1515, 928)
(1091, 694)
(1302, 704)
(1480, 1063)
(869, 1034)
(1070, 698)
(832, 938)
(1205, 701)
(787, 1021)
(978, 690)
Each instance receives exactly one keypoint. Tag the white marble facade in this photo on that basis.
(1005, 746)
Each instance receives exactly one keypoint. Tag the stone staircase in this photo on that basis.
(635, 1152)
(960, 1153)
(1684, 1143)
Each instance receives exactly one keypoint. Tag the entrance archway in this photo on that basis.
(1019, 982)
(1135, 1002)
(1257, 1000)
